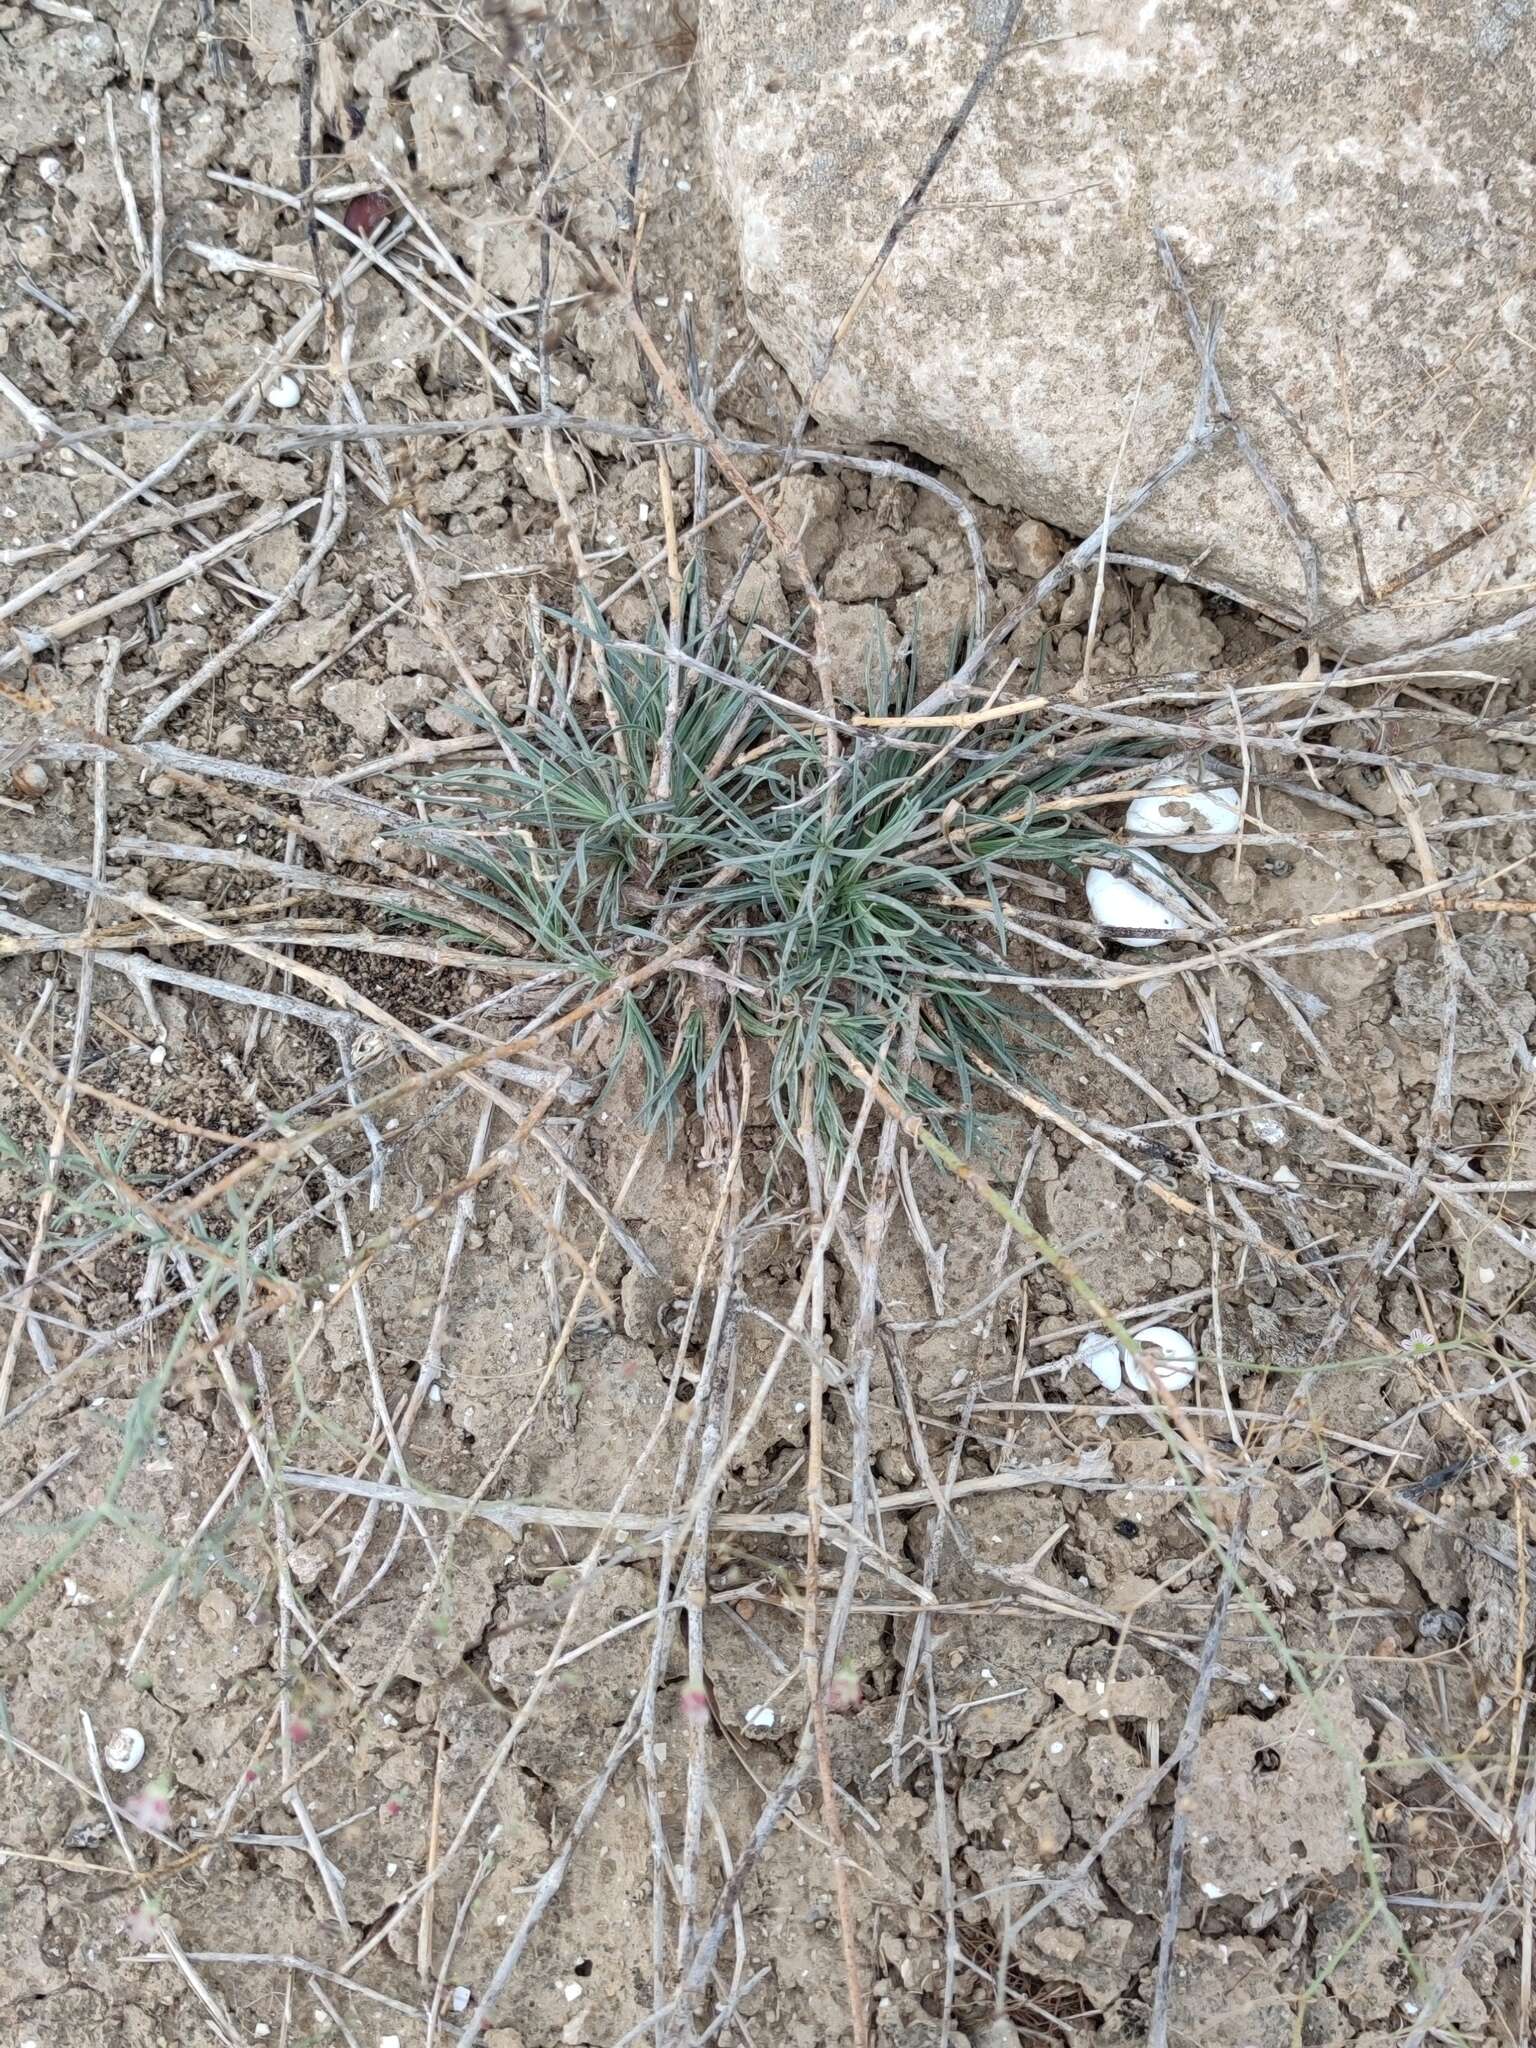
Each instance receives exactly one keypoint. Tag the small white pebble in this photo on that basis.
(572, 1993)
(48, 168)
(389, 2041)
(460, 1998)
(284, 392)
(760, 1717)
(1212, 1891)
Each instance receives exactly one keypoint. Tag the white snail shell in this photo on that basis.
(1187, 819)
(124, 1751)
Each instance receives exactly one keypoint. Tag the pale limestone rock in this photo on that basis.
(1321, 170)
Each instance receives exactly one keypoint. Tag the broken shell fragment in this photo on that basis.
(124, 1751)
(1104, 1359)
(1186, 816)
(1131, 916)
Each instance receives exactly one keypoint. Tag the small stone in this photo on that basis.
(1181, 640)
(307, 1562)
(870, 568)
(284, 393)
(1033, 550)
(1266, 1128)
(1442, 1627)
(760, 600)
(1077, 605)
(807, 510)
(853, 644)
